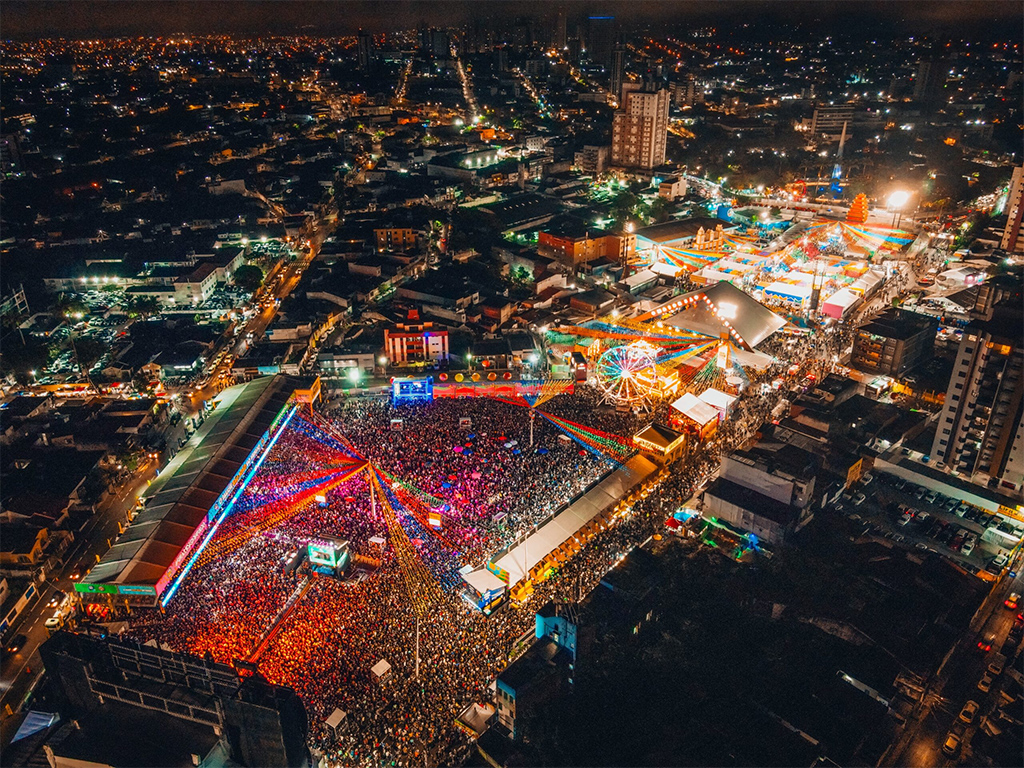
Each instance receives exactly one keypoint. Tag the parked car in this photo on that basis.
(932, 497)
(951, 745)
(969, 543)
(996, 665)
(920, 492)
(985, 684)
(859, 499)
(969, 712)
(1012, 601)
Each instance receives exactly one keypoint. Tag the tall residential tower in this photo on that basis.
(640, 127)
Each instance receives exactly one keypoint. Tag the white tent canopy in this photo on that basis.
(695, 409)
(717, 399)
(381, 669)
(336, 719)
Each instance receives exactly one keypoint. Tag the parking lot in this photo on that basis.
(915, 516)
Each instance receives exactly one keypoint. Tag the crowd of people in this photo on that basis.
(493, 484)
(489, 485)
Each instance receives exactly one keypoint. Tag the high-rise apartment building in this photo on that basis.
(640, 127)
(929, 81)
(618, 72)
(1012, 241)
(599, 39)
(687, 91)
(560, 31)
(980, 432)
(365, 41)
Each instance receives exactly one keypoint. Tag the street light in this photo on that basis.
(897, 200)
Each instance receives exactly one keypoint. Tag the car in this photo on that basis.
(996, 666)
(999, 561)
(900, 484)
(859, 499)
(957, 541)
(985, 684)
(1012, 601)
(54, 622)
(16, 644)
(951, 504)
(968, 546)
(920, 493)
(904, 520)
(866, 478)
(932, 497)
(985, 644)
(969, 712)
(951, 745)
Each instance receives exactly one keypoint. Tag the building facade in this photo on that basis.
(411, 345)
(1012, 240)
(980, 433)
(640, 127)
(894, 342)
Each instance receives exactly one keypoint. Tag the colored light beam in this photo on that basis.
(166, 597)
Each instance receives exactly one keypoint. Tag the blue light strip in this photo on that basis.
(166, 598)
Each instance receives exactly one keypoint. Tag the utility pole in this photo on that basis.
(533, 415)
(373, 499)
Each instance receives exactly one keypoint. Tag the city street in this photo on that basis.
(21, 670)
(920, 746)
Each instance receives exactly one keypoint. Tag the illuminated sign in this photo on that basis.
(330, 554)
(136, 589)
(322, 554)
(105, 589)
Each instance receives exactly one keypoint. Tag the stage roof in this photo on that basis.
(751, 321)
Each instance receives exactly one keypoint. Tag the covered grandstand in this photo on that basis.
(179, 502)
(557, 539)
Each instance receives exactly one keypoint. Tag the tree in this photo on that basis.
(140, 306)
(249, 277)
(69, 305)
(89, 351)
(659, 210)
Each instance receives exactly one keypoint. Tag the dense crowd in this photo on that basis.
(493, 485)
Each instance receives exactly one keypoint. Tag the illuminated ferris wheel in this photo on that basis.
(628, 375)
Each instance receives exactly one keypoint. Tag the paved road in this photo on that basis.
(20, 670)
(956, 683)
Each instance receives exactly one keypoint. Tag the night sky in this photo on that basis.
(88, 18)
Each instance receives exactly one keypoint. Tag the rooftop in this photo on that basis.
(752, 501)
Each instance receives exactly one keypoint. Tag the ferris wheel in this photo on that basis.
(628, 375)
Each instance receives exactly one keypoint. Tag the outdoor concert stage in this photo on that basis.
(514, 570)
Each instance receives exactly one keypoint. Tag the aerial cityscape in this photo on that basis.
(470, 383)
